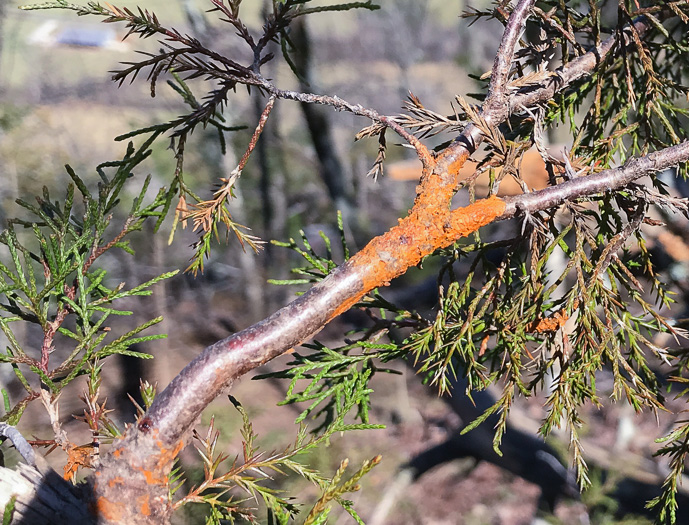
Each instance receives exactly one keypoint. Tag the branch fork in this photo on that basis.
(144, 457)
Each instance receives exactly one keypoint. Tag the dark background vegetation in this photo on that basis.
(57, 105)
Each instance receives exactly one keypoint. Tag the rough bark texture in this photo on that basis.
(131, 485)
(43, 497)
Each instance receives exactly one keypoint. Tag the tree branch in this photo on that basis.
(578, 68)
(356, 109)
(496, 105)
(144, 457)
(602, 182)
(429, 226)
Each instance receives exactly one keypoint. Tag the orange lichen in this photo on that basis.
(144, 505)
(117, 480)
(456, 165)
(467, 220)
(418, 235)
(551, 323)
(111, 511)
(548, 324)
(429, 225)
(158, 474)
(154, 477)
(81, 456)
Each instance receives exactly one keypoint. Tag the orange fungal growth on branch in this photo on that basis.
(419, 234)
(470, 218)
(548, 324)
(109, 510)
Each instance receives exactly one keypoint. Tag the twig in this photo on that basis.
(597, 183)
(97, 252)
(53, 326)
(610, 250)
(563, 77)
(257, 133)
(19, 442)
(357, 109)
(204, 213)
(578, 68)
(496, 106)
(557, 27)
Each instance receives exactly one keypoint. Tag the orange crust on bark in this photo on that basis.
(144, 505)
(429, 225)
(118, 480)
(418, 235)
(153, 469)
(111, 511)
(158, 475)
(548, 324)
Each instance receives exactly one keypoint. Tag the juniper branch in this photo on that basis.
(384, 258)
(431, 224)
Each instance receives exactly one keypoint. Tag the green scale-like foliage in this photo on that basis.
(53, 282)
(507, 313)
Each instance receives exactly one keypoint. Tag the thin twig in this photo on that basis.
(610, 250)
(557, 27)
(257, 133)
(53, 326)
(578, 68)
(496, 107)
(357, 109)
(19, 442)
(597, 183)
(97, 252)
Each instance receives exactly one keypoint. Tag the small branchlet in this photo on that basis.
(250, 473)
(54, 282)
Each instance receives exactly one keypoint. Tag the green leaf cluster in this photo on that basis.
(52, 280)
(255, 469)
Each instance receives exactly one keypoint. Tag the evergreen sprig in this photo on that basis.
(53, 281)
(318, 265)
(251, 472)
(505, 323)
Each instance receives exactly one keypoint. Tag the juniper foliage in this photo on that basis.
(505, 320)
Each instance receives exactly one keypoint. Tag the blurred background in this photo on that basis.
(58, 105)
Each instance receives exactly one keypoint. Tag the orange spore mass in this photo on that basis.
(419, 234)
